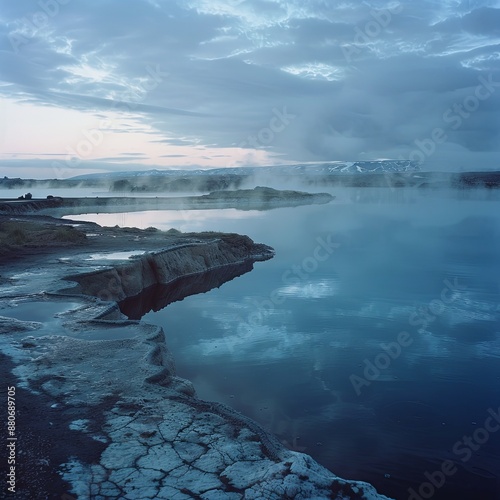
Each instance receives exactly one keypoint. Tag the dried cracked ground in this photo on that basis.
(159, 441)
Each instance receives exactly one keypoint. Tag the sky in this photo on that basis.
(114, 85)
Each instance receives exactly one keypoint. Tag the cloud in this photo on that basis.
(483, 21)
(363, 80)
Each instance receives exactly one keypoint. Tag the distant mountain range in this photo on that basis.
(358, 167)
(382, 173)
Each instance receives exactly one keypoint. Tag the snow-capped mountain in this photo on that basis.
(337, 167)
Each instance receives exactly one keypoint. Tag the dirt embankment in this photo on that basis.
(27, 236)
(165, 266)
(20, 237)
(13, 207)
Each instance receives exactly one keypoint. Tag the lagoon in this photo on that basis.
(378, 353)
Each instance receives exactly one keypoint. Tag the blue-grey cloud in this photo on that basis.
(361, 79)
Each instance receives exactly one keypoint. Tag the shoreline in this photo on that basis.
(249, 199)
(123, 394)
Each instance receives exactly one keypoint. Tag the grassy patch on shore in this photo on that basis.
(17, 236)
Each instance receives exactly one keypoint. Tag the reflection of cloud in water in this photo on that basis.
(489, 349)
(252, 343)
(115, 255)
(311, 290)
(462, 309)
(270, 337)
(465, 310)
(432, 345)
(343, 411)
(400, 311)
(438, 344)
(185, 220)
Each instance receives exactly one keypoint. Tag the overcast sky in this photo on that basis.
(114, 85)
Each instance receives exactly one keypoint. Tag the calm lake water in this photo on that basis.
(371, 341)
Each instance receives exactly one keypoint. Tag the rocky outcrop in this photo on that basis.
(163, 267)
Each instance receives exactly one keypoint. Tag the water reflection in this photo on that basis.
(45, 312)
(115, 255)
(310, 290)
(156, 297)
